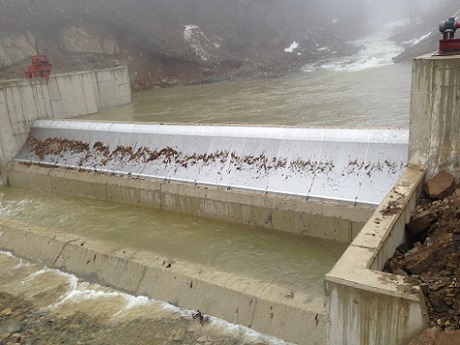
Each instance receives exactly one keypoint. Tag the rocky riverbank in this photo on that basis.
(431, 257)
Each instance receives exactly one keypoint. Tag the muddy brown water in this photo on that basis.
(375, 97)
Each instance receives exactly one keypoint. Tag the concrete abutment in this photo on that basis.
(22, 101)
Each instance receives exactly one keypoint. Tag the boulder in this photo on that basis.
(15, 48)
(440, 186)
(428, 337)
(419, 223)
(448, 338)
(78, 40)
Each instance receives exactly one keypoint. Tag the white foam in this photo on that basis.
(246, 334)
(377, 50)
(9, 254)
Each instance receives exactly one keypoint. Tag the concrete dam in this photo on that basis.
(356, 186)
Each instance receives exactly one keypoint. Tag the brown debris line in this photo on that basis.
(103, 154)
(430, 258)
(55, 146)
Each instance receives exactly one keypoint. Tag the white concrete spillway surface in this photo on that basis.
(351, 165)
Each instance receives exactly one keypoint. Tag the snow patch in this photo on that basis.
(290, 49)
(416, 41)
(199, 42)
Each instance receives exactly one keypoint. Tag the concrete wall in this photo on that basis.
(23, 101)
(364, 305)
(435, 111)
(335, 221)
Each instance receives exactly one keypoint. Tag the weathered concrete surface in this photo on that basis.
(336, 221)
(66, 95)
(356, 166)
(297, 317)
(435, 111)
(363, 304)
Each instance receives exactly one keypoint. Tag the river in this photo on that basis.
(360, 91)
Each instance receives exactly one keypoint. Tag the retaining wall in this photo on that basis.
(363, 304)
(23, 101)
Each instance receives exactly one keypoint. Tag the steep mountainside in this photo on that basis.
(170, 42)
(165, 42)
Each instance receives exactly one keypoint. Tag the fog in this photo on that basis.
(243, 33)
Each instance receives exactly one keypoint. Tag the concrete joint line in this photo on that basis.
(144, 271)
(62, 249)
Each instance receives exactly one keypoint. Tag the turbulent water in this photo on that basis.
(360, 91)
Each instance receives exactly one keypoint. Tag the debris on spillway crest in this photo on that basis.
(99, 154)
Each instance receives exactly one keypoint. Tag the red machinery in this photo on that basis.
(40, 67)
(449, 45)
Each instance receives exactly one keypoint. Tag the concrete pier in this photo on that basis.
(435, 114)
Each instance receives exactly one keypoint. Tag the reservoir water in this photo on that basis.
(331, 94)
(371, 97)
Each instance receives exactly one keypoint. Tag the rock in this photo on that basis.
(6, 312)
(179, 334)
(78, 40)
(448, 338)
(14, 326)
(14, 48)
(428, 337)
(419, 223)
(438, 302)
(440, 186)
(417, 264)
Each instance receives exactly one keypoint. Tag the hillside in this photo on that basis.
(171, 42)
(164, 42)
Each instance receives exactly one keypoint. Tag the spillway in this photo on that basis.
(350, 165)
